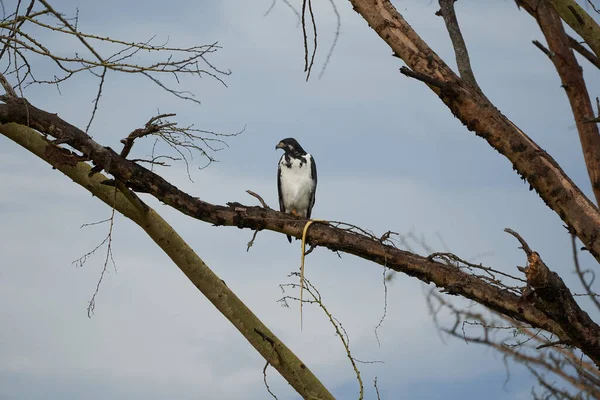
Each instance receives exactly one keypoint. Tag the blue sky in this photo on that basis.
(390, 156)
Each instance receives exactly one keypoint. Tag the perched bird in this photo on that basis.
(296, 180)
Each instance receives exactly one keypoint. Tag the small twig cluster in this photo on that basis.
(21, 50)
(183, 140)
(315, 298)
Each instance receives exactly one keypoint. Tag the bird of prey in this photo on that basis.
(296, 180)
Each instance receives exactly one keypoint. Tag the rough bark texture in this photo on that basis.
(451, 278)
(479, 115)
(571, 76)
(552, 295)
(215, 289)
(580, 21)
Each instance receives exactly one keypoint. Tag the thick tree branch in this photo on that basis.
(479, 115)
(460, 48)
(579, 20)
(571, 76)
(215, 289)
(452, 278)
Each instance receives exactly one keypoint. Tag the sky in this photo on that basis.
(390, 156)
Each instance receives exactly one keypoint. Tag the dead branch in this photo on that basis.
(562, 363)
(554, 297)
(265, 380)
(315, 298)
(581, 274)
(588, 55)
(308, 65)
(543, 49)
(109, 257)
(251, 242)
(460, 48)
(251, 193)
(22, 49)
(571, 77)
(579, 20)
(479, 115)
(338, 21)
(183, 140)
(424, 78)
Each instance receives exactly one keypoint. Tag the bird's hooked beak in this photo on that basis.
(280, 145)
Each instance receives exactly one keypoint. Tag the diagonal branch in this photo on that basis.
(258, 335)
(579, 20)
(588, 55)
(460, 48)
(571, 77)
(474, 110)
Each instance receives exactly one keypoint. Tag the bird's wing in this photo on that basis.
(313, 175)
(281, 206)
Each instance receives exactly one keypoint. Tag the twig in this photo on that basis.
(543, 48)
(265, 379)
(552, 344)
(524, 244)
(94, 223)
(251, 193)
(376, 388)
(424, 78)
(581, 274)
(251, 242)
(335, 38)
(109, 257)
(304, 232)
(339, 329)
(308, 65)
(97, 98)
(154, 125)
(587, 54)
(385, 305)
(593, 6)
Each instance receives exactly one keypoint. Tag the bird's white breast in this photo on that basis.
(297, 185)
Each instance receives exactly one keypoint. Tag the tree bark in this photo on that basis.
(479, 115)
(571, 76)
(258, 335)
(579, 20)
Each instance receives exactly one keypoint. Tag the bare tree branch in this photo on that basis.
(579, 20)
(578, 47)
(216, 291)
(582, 274)
(554, 297)
(571, 77)
(460, 48)
(479, 115)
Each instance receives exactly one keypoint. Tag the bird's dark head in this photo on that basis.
(290, 146)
